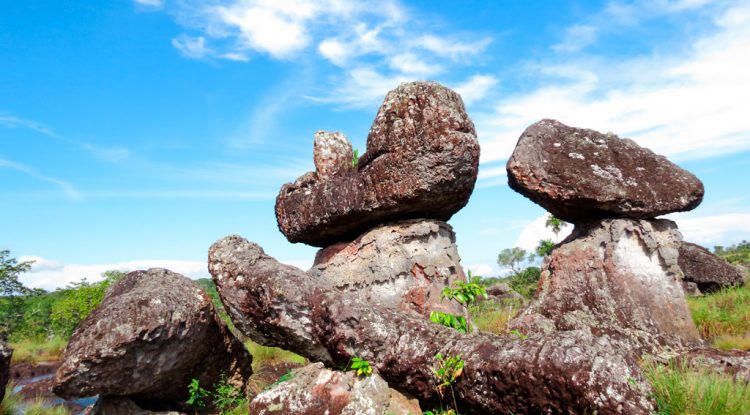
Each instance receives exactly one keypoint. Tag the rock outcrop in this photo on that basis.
(5, 354)
(615, 277)
(578, 174)
(735, 363)
(315, 390)
(154, 331)
(116, 405)
(404, 265)
(708, 271)
(421, 162)
(565, 372)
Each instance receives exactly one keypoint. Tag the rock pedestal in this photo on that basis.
(578, 174)
(315, 390)
(421, 162)
(5, 354)
(154, 331)
(708, 271)
(615, 277)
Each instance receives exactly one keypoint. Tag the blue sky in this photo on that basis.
(136, 133)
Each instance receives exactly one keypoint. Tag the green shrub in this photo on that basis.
(526, 281)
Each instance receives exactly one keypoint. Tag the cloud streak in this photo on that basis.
(66, 187)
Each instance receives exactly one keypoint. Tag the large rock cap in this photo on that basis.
(706, 270)
(617, 277)
(579, 174)
(5, 354)
(403, 265)
(421, 161)
(315, 390)
(154, 331)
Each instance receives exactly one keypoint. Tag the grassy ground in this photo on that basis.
(724, 317)
(35, 351)
(12, 403)
(493, 316)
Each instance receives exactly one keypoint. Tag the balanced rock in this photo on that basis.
(708, 271)
(563, 372)
(403, 265)
(617, 277)
(421, 162)
(5, 354)
(315, 390)
(154, 331)
(579, 174)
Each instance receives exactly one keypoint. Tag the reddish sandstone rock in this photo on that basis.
(564, 372)
(315, 390)
(617, 277)
(5, 354)
(154, 331)
(735, 363)
(421, 162)
(708, 271)
(403, 265)
(579, 174)
(332, 154)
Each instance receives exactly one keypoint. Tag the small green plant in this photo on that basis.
(226, 396)
(196, 395)
(362, 367)
(440, 411)
(449, 320)
(518, 334)
(465, 293)
(355, 158)
(447, 370)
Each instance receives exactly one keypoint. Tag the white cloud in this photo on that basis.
(475, 88)
(66, 187)
(720, 229)
(577, 37)
(688, 105)
(536, 231)
(150, 3)
(450, 48)
(192, 47)
(482, 269)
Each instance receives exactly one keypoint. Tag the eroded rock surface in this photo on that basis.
(116, 405)
(421, 162)
(563, 372)
(5, 354)
(332, 154)
(708, 271)
(404, 265)
(735, 363)
(154, 331)
(315, 390)
(578, 174)
(616, 277)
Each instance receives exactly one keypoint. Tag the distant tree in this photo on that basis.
(11, 291)
(545, 247)
(80, 299)
(512, 258)
(556, 224)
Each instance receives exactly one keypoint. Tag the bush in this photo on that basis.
(525, 282)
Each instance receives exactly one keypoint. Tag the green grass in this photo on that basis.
(724, 317)
(681, 390)
(264, 355)
(12, 402)
(493, 316)
(35, 351)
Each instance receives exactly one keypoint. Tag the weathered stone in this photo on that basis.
(404, 265)
(691, 289)
(735, 363)
(117, 405)
(564, 372)
(315, 390)
(332, 154)
(5, 354)
(154, 331)
(421, 162)
(707, 270)
(617, 277)
(578, 174)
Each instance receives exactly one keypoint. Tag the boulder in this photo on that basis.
(315, 390)
(617, 277)
(708, 271)
(117, 405)
(563, 372)
(578, 174)
(153, 333)
(404, 265)
(735, 363)
(5, 354)
(421, 162)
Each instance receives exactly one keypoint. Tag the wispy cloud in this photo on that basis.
(689, 105)
(66, 187)
(536, 231)
(715, 229)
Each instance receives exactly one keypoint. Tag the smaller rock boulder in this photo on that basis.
(332, 154)
(708, 271)
(5, 354)
(153, 333)
(315, 390)
(735, 363)
(579, 174)
(117, 405)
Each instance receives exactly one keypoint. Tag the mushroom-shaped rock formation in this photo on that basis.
(314, 389)
(617, 277)
(578, 174)
(421, 162)
(154, 331)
